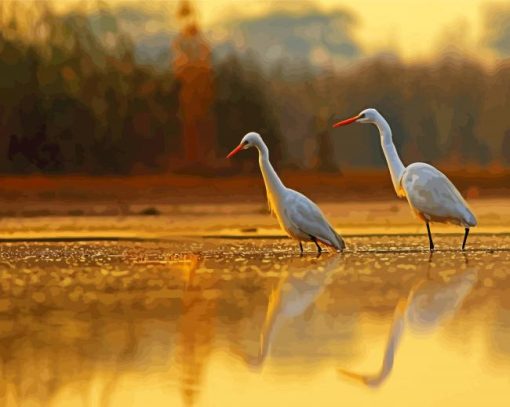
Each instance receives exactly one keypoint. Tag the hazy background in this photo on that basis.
(138, 266)
(132, 87)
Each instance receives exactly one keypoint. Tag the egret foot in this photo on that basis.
(465, 239)
(431, 243)
(301, 248)
(319, 250)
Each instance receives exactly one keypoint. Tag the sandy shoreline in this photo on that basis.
(391, 217)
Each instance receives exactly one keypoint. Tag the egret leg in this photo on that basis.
(301, 247)
(431, 243)
(319, 250)
(465, 239)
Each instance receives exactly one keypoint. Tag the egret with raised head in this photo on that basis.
(431, 195)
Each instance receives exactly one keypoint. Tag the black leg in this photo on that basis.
(431, 243)
(319, 250)
(301, 247)
(465, 239)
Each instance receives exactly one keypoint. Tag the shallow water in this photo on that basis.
(228, 322)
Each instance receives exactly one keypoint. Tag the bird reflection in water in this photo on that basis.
(293, 296)
(429, 305)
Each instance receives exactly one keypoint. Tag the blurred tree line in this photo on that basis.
(453, 111)
(72, 101)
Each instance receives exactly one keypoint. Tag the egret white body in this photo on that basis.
(297, 215)
(431, 195)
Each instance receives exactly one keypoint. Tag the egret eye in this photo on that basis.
(362, 116)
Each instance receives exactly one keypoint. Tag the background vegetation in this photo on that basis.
(77, 99)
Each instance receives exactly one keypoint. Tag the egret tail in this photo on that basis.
(339, 243)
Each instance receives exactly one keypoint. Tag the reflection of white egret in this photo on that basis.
(431, 303)
(397, 328)
(292, 297)
(428, 305)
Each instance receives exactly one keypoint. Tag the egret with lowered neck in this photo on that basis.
(301, 219)
(431, 195)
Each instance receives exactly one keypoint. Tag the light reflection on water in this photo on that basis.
(429, 304)
(100, 324)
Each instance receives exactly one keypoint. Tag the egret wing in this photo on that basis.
(431, 193)
(307, 217)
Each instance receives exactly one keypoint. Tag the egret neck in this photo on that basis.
(390, 152)
(274, 186)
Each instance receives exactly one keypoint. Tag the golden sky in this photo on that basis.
(416, 28)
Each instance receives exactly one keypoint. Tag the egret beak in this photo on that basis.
(235, 151)
(347, 121)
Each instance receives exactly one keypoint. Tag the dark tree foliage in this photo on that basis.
(73, 101)
(243, 104)
(71, 104)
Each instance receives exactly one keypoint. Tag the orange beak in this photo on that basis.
(346, 121)
(235, 151)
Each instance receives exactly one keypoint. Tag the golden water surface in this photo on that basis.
(227, 322)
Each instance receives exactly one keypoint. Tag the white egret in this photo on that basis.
(431, 195)
(301, 219)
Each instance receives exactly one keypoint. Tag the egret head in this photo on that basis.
(366, 116)
(249, 140)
